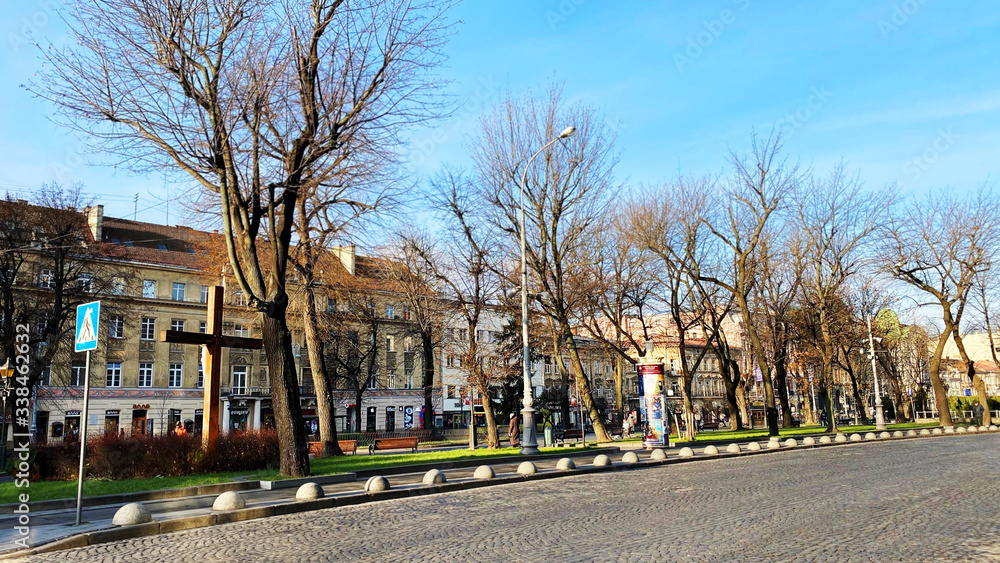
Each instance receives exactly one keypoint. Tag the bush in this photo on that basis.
(115, 458)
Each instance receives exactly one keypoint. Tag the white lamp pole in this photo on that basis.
(879, 413)
(530, 443)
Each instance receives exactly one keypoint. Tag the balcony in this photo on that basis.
(225, 391)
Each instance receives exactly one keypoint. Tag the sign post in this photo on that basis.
(657, 428)
(88, 318)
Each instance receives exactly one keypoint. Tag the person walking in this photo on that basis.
(977, 413)
(180, 430)
(514, 433)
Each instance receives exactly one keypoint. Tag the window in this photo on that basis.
(203, 327)
(204, 294)
(238, 298)
(45, 377)
(408, 379)
(76, 375)
(177, 324)
(331, 305)
(147, 329)
(450, 361)
(373, 382)
(390, 380)
(175, 375)
(117, 286)
(45, 279)
(178, 293)
(113, 377)
(480, 335)
(145, 375)
(390, 312)
(408, 344)
(85, 282)
(406, 313)
(390, 344)
(240, 329)
(116, 327)
(239, 381)
(162, 247)
(149, 289)
(201, 376)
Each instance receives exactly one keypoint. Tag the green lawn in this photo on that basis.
(46, 490)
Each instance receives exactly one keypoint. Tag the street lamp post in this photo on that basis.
(879, 414)
(530, 443)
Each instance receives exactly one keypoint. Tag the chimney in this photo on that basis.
(346, 255)
(95, 220)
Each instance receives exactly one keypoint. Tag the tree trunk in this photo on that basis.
(492, 435)
(781, 383)
(294, 460)
(583, 384)
(619, 390)
(975, 380)
(691, 428)
(427, 345)
(317, 363)
(934, 371)
(831, 415)
(563, 380)
(728, 368)
(770, 410)
(861, 404)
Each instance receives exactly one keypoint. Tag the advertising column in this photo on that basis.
(656, 427)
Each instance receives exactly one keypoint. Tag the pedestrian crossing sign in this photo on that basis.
(87, 317)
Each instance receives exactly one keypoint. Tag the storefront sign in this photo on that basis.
(112, 412)
(72, 413)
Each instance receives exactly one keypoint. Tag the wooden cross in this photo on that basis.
(214, 341)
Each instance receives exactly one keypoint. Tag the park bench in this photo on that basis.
(346, 446)
(571, 434)
(614, 431)
(710, 426)
(393, 444)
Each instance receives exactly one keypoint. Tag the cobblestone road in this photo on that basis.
(913, 500)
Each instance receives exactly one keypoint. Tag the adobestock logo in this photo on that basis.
(916, 166)
(563, 11)
(900, 16)
(793, 121)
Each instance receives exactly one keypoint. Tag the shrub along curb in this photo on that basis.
(151, 528)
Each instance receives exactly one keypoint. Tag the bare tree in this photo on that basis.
(252, 99)
(939, 245)
(756, 192)
(566, 194)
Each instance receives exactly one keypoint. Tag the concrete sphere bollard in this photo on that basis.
(984, 429)
(753, 447)
(884, 435)
(855, 437)
(924, 432)
(527, 468)
(841, 438)
(602, 460)
(686, 452)
(808, 441)
(949, 430)
(773, 444)
(630, 457)
(938, 431)
(733, 448)
(897, 434)
(870, 436)
(825, 440)
(961, 430)
(309, 491)
(434, 477)
(484, 472)
(132, 514)
(376, 484)
(658, 455)
(994, 427)
(911, 432)
(973, 429)
(229, 500)
(565, 464)
(791, 443)
(711, 450)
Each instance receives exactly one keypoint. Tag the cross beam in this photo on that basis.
(213, 342)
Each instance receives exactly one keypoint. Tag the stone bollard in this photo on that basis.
(911, 432)
(132, 514)
(527, 468)
(773, 444)
(870, 436)
(791, 443)
(484, 472)
(229, 500)
(753, 447)
(825, 440)
(855, 437)
(602, 460)
(309, 491)
(630, 457)
(938, 431)
(961, 430)
(897, 434)
(808, 441)
(733, 448)
(984, 429)
(884, 435)
(949, 430)
(973, 429)
(686, 452)
(841, 438)
(434, 477)
(924, 432)
(711, 450)
(658, 455)
(565, 464)
(994, 427)
(376, 484)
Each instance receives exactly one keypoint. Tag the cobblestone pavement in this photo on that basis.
(913, 500)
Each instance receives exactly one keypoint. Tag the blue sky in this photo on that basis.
(905, 91)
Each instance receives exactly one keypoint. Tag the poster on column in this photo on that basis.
(656, 427)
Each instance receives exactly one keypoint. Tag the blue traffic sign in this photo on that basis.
(87, 319)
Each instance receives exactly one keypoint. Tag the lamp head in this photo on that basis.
(567, 132)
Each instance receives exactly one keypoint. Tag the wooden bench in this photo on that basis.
(393, 444)
(710, 426)
(614, 431)
(571, 434)
(316, 448)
